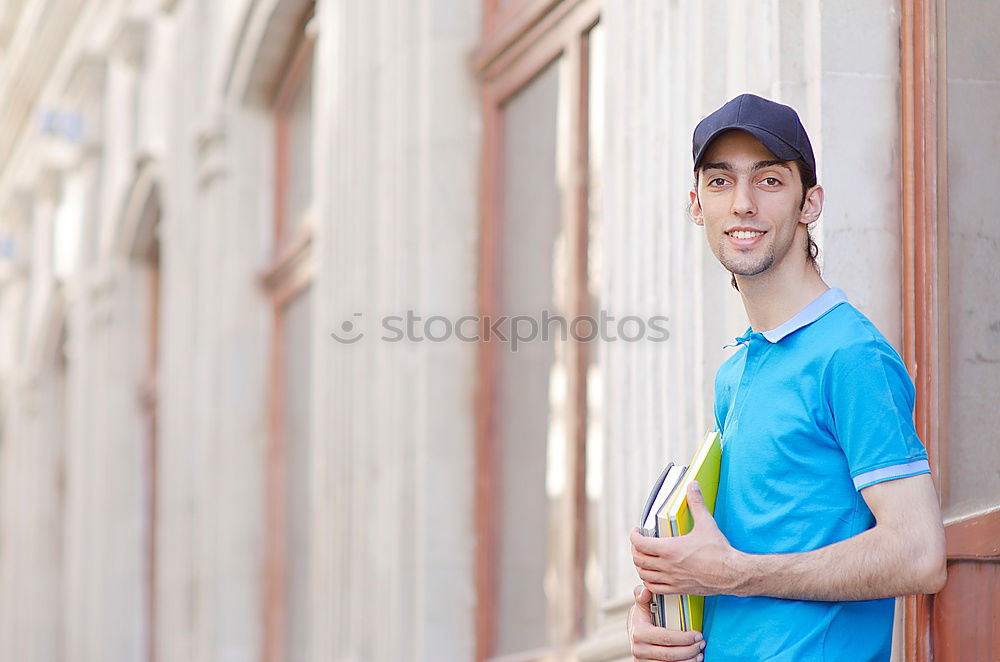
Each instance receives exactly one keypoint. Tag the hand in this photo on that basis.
(654, 643)
(702, 562)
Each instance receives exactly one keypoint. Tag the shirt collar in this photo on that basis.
(812, 312)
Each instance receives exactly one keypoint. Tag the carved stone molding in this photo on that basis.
(130, 42)
(48, 182)
(267, 32)
(210, 141)
(140, 211)
(102, 286)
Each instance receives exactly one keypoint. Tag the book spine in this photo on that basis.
(682, 600)
(655, 604)
(656, 609)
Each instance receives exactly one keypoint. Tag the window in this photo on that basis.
(536, 261)
(530, 381)
(973, 95)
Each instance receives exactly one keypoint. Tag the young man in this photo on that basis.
(826, 509)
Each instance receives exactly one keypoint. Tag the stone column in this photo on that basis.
(397, 126)
(859, 165)
(15, 476)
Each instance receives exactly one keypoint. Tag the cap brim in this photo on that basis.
(774, 144)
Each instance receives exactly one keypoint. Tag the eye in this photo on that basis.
(716, 181)
(772, 181)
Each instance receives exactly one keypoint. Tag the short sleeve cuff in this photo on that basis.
(891, 472)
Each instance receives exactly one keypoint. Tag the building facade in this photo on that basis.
(253, 405)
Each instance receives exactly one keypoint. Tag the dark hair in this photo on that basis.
(807, 175)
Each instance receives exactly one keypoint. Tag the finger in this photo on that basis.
(642, 616)
(653, 552)
(665, 637)
(661, 589)
(647, 575)
(657, 560)
(642, 650)
(667, 654)
(696, 503)
(648, 564)
(641, 543)
(640, 560)
(659, 584)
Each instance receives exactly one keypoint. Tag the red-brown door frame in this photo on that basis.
(925, 290)
(283, 283)
(924, 269)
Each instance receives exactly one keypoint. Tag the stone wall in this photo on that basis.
(159, 132)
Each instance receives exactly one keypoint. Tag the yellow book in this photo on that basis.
(675, 517)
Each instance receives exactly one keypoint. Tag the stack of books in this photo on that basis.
(666, 515)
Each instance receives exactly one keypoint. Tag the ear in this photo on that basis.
(813, 206)
(696, 214)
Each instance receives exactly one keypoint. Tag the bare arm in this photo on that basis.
(903, 554)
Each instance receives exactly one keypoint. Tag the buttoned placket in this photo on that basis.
(756, 346)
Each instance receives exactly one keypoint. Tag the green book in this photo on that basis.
(675, 519)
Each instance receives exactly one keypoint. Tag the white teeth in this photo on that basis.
(742, 234)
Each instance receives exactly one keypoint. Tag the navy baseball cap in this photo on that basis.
(776, 126)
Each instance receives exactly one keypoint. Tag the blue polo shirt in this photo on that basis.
(811, 413)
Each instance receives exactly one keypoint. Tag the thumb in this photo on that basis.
(696, 503)
(642, 598)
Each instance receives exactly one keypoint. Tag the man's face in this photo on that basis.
(749, 203)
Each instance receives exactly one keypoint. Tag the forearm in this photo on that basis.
(877, 563)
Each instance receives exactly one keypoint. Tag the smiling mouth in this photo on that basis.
(745, 234)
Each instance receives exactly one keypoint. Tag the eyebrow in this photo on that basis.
(757, 165)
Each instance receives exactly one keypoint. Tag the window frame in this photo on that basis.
(291, 270)
(519, 42)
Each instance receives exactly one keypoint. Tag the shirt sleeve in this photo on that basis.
(871, 398)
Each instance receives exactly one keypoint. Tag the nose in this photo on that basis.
(743, 200)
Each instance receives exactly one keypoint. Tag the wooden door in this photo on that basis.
(951, 252)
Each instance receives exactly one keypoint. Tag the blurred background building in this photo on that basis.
(195, 195)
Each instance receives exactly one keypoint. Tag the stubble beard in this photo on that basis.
(744, 265)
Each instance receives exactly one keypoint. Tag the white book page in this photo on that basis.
(673, 476)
